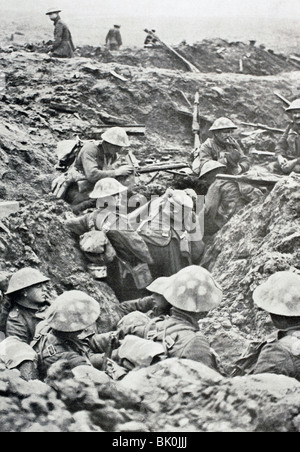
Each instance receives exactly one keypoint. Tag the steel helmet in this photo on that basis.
(280, 294)
(14, 352)
(73, 311)
(211, 166)
(53, 11)
(116, 136)
(25, 278)
(222, 124)
(107, 187)
(192, 289)
(295, 105)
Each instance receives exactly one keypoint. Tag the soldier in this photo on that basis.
(192, 292)
(224, 198)
(100, 161)
(65, 337)
(288, 147)
(129, 246)
(114, 38)
(63, 46)
(223, 148)
(280, 352)
(27, 305)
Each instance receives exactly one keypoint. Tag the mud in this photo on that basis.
(47, 100)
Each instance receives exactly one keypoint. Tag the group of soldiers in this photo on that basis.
(63, 46)
(165, 324)
(177, 291)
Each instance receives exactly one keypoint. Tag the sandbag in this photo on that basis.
(140, 352)
(93, 242)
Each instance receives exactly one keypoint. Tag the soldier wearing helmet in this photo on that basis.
(63, 46)
(224, 198)
(288, 147)
(99, 161)
(69, 334)
(280, 352)
(114, 39)
(27, 304)
(190, 295)
(223, 148)
(113, 221)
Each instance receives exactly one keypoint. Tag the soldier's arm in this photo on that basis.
(198, 349)
(78, 225)
(16, 326)
(205, 154)
(58, 36)
(90, 166)
(274, 359)
(281, 147)
(142, 304)
(73, 358)
(119, 38)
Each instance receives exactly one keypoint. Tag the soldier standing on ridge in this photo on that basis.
(63, 46)
(114, 38)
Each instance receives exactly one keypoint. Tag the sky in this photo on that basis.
(175, 8)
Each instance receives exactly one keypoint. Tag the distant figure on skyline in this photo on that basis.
(63, 46)
(150, 41)
(114, 38)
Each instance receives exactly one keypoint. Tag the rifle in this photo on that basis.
(284, 100)
(196, 125)
(263, 153)
(256, 181)
(159, 167)
(262, 126)
(189, 65)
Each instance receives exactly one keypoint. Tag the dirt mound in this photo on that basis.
(215, 55)
(37, 237)
(256, 243)
(213, 403)
(69, 98)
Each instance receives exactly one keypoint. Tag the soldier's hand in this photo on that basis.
(125, 170)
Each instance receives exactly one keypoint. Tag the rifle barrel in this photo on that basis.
(250, 180)
(262, 126)
(159, 168)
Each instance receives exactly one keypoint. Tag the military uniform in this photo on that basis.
(53, 347)
(114, 39)
(22, 321)
(289, 146)
(63, 46)
(212, 150)
(94, 163)
(179, 333)
(281, 355)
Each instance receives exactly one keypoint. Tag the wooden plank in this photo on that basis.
(187, 63)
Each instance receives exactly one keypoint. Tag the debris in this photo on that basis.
(189, 65)
(120, 77)
(241, 65)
